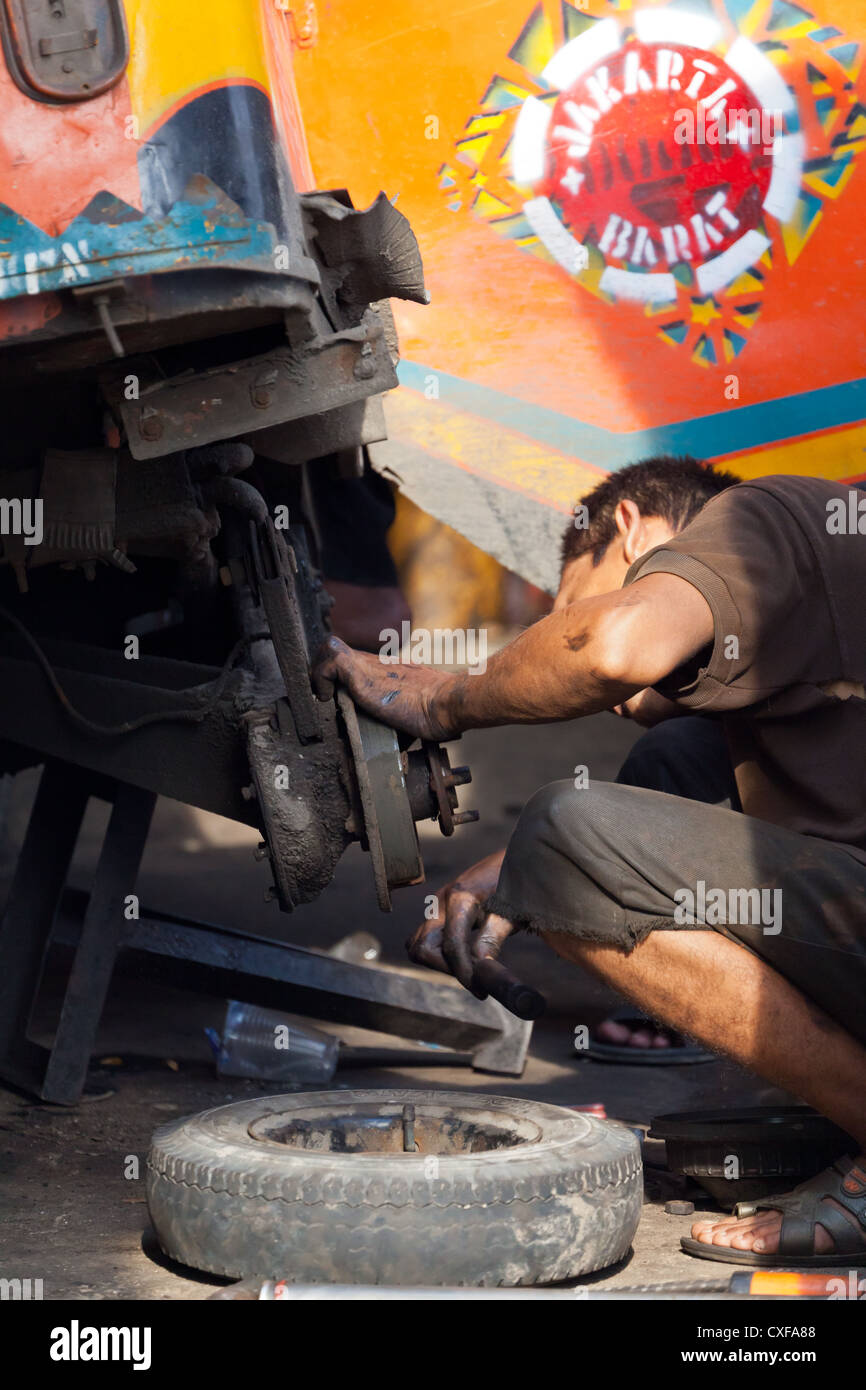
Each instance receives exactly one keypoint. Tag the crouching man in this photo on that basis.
(738, 920)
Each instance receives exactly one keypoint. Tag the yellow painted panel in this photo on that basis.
(489, 450)
(837, 454)
(180, 46)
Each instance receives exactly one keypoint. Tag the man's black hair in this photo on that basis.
(666, 486)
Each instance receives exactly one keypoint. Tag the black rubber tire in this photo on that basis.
(562, 1203)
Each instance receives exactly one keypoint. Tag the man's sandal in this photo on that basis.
(809, 1205)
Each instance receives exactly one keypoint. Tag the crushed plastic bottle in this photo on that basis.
(264, 1045)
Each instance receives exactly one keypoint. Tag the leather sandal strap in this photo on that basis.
(808, 1206)
(797, 1236)
(847, 1235)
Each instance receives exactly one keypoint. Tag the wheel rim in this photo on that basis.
(396, 1130)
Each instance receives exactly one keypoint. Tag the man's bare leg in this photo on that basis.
(731, 1001)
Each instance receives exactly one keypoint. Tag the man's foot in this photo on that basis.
(821, 1221)
(759, 1233)
(637, 1033)
(630, 1035)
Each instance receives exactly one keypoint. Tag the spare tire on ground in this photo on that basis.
(325, 1188)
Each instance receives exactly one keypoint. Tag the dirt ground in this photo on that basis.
(72, 1210)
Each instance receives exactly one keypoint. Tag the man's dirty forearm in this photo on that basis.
(588, 657)
(559, 668)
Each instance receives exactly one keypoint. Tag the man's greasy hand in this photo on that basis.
(413, 699)
(461, 933)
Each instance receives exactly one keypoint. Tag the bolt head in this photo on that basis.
(149, 423)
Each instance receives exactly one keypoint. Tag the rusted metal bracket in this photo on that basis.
(330, 432)
(285, 384)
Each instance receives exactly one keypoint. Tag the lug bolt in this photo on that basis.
(365, 366)
(149, 423)
(260, 391)
(458, 777)
(466, 817)
(261, 851)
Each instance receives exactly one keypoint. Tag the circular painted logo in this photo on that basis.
(658, 154)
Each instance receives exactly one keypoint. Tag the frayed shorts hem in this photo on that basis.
(633, 931)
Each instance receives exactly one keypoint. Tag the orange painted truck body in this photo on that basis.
(604, 284)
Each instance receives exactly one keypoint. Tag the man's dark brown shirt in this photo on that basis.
(782, 566)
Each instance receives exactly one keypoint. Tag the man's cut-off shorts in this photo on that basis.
(613, 861)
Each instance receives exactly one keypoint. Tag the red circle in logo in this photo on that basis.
(635, 164)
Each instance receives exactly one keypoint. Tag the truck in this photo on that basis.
(194, 347)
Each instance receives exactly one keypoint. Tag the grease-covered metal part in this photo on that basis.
(368, 253)
(389, 826)
(302, 799)
(432, 782)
